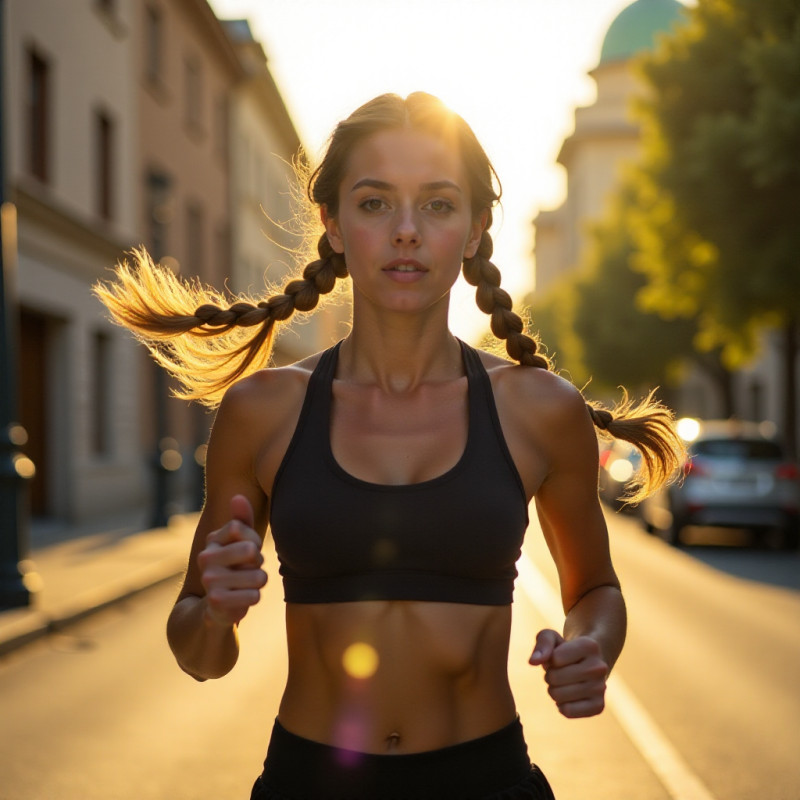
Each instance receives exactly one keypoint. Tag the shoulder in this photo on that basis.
(526, 388)
(267, 397)
(542, 410)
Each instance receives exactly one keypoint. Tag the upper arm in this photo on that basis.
(238, 432)
(567, 502)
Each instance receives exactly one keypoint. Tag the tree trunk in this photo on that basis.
(723, 378)
(790, 386)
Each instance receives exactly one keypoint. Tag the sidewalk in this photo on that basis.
(75, 577)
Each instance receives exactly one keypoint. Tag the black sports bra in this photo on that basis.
(455, 538)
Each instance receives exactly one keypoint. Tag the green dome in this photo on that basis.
(636, 27)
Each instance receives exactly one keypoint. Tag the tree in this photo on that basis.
(721, 142)
(551, 319)
(623, 343)
(594, 325)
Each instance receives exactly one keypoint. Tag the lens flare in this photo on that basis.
(688, 428)
(360, 660)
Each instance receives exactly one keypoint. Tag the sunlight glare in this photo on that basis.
(688, 428)
(360, 660)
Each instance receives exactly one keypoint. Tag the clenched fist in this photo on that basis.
(230, 566)
(574, 671)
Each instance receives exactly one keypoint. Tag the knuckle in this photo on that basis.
(215, 596)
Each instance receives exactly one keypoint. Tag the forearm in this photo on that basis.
(600, 614)
(203, 649)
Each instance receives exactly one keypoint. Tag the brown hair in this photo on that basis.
(229, 340)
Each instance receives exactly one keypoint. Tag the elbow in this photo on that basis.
(198, 654)
(611, 587)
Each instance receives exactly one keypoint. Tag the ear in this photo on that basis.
(478, 227)
(332, 229)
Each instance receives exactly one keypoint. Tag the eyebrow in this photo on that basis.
(430, 187)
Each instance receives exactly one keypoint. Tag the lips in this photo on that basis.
(404, 265)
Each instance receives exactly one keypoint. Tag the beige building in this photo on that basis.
(605, 138)
(186, 70)
(123, 122)
(265, 238)
(71, 166)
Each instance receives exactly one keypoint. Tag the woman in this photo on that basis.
(395, 472)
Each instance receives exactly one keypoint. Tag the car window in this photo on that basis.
(738, 448)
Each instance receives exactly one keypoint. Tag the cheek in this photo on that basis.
(456, 242)
(358, 242)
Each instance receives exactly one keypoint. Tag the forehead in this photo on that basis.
(404, 155)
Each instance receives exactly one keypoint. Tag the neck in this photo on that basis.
(402, 351)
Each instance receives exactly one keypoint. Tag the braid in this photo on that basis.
(319, 277)
(151, 301)
(647, 425)
(491, 299)
(601, 417)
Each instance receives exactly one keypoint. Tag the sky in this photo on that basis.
(514, 69)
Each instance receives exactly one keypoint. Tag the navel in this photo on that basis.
(393, 741)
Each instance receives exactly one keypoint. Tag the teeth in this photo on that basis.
(405, 268)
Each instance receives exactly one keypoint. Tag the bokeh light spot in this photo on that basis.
(688, 428)
(360, 660)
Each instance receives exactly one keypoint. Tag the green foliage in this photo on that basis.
(623, 341)
(721, 172)
(551, 319)
(594, 324)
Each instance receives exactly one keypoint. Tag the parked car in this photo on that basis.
(619, 462)
(737, 476)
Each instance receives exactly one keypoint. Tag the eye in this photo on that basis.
(440, 205)
(372, 204)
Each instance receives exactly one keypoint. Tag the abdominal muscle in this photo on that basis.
(393, 677)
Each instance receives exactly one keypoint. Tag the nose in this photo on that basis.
(406, 230)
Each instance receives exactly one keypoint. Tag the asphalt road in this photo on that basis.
(708, 706)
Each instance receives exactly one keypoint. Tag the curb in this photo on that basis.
(32, 624)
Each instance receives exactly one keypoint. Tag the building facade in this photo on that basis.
(122, 127)
(605, 138)
(267, 244)
(71, 155)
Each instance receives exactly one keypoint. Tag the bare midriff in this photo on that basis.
(394, 677)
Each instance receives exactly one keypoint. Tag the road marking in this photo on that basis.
(674, 773)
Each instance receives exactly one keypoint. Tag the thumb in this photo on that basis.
(546, 642)
(242, 510)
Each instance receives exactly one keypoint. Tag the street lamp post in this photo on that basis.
(14, 467)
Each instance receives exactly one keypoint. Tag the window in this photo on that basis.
(159, 211)
(221, 126)
(193, 91)
(738, 448)
(222, 253)
(38, 116)
(194, 239)
(154, 40)
(104, 154)
(101, 393)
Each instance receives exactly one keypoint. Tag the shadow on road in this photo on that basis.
(734, 552)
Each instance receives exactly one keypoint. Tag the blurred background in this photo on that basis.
(647, 224)
(648, 152)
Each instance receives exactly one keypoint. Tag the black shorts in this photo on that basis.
(494, 767)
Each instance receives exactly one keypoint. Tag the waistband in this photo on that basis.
(300, 768)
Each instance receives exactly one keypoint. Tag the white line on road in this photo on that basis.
(674, 773)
